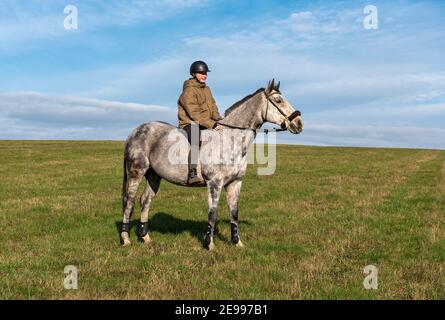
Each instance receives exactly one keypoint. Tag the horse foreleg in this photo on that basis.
(151, 188)
(233, 191)
(213, 193)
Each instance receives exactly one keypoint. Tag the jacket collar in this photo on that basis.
(197, 83)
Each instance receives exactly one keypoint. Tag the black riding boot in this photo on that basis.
(193, 176)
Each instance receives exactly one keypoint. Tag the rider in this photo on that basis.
(197, 108)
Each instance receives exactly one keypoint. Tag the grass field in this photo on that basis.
(309, 229)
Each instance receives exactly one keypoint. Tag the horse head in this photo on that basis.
(279, 111)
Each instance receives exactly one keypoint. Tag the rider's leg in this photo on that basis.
(194, 137)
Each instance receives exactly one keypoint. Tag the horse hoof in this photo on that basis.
(125, 239)
(211, 246)
(239, 244)
(146, 238)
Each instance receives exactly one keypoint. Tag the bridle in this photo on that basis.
(284, 125)
(287, 119)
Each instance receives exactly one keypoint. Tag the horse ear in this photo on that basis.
(270, 86)
(278, 86)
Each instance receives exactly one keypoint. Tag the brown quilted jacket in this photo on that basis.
(196, 103)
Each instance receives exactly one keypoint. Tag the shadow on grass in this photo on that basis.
(166, 223)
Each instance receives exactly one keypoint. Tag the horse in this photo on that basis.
(148, 153)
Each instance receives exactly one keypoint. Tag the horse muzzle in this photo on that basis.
(294, 123)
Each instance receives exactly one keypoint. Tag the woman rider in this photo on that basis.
(197, 110)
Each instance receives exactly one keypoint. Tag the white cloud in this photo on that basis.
(375, 87)
(133, 11)
(388, 113)
(27, 115)
(160, 80)
(24, 22)
(373, 135)
(306, 23)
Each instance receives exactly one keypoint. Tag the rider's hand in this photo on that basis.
(218, 128)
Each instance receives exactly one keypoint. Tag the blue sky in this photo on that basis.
(126, 63)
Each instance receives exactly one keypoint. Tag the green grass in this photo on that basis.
(309, 229)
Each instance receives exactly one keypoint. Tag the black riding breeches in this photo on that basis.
(195, 143)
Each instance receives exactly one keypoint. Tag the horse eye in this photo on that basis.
(278, 100)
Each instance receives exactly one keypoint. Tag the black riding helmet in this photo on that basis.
(199, 67)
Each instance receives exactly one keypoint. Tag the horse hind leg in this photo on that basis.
(151, 188)
(214, 191)
(233, 191)
(132, 179)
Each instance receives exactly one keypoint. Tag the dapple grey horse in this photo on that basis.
(151, 152)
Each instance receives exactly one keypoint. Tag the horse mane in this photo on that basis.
(238, 103)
